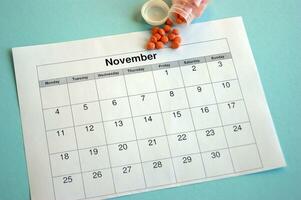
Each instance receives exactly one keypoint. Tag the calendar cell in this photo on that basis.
(169, 78)
(86, 113)
(98, 183)
(90, 135)
(195, 74)
(154, 148)
(68, 187)
(206, 116)
(140, 83)
(217, 162)
(183, 143)
(144, 104)
(245, 158)
(159, 172)
(212, 138)
(200, 95)
(124, 153)
(173, 100)
(113, 87)
(149, 126)
(178, 121)
(56, 118)
(55, 96)
(227, 91)
(65, 163)
(119, 130)
(233, 112)
(239, 134)
(221, 70)
(61, 140)
(115, 108)
(189, 167)
(128, 174)
(83, 91)
(94, 158)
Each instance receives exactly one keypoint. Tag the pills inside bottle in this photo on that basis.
(184, 11)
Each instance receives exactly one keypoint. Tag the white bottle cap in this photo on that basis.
(155, 12)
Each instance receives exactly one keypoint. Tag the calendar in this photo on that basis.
(102, 120)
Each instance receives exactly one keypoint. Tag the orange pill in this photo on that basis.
(177, 39)
(161, 31)
(150, 46)
(174, 45)
(164, 39)
(158, 36)
(155, 30)
(168, 22)
(159, 45)
(167, 28)
(153, 39)
(175, 31)
(171, 36)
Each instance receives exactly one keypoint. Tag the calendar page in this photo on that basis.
(103, 117)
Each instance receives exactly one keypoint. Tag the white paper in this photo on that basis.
(151, 120)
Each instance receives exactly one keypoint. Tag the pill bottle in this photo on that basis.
(184, 11)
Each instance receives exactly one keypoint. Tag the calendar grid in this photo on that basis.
(76, 141)
(245, 103)
(105, 136)
(161, 112)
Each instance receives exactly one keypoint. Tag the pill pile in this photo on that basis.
(179, 19)
(161, 36)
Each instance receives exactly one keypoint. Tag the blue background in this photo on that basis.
(274, 29)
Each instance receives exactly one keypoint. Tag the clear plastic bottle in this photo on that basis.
(184, 11)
